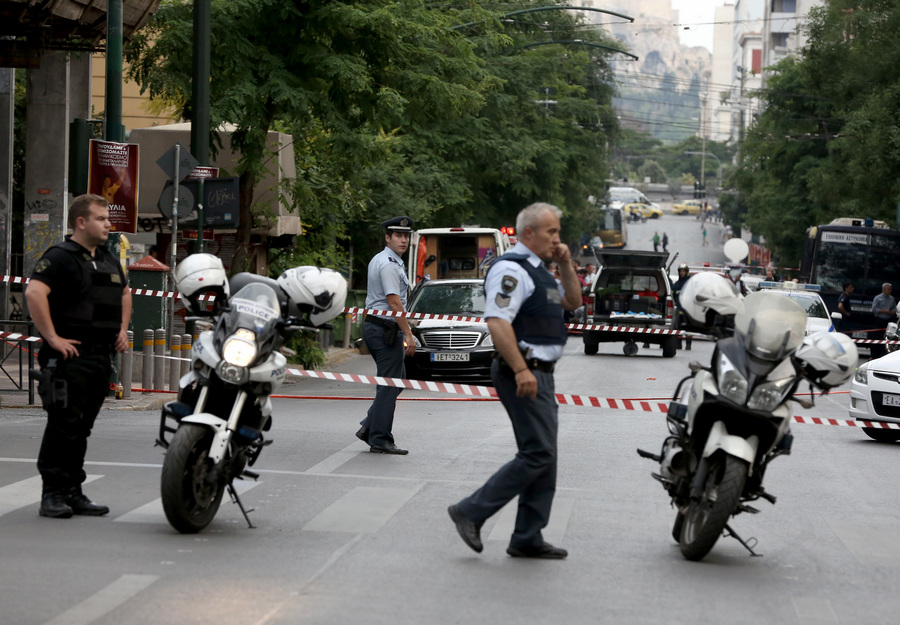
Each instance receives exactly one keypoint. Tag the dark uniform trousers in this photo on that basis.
(61, 458)
(532, 473)
(389, 364)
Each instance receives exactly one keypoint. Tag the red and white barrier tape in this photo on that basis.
(562, 398)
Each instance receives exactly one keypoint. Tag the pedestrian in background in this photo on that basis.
(388, 339)
(883, 308)
(665, 242)
(844, 306)
(655, 240)
(703, 230)
(80, 303)
(524, 312)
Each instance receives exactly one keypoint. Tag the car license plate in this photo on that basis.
(890, 400)
(450, 357)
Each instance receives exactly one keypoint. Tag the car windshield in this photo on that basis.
(813, 306)
(449, 299)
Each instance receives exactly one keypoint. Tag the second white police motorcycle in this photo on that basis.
(224, 408)
(729, 420)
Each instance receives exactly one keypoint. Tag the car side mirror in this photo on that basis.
(837, 316)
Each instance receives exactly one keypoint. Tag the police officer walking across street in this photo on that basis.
(80, 303)
(524, 313)
(388, 287)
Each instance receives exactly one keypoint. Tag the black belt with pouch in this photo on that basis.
(532, 363)
(391, 328)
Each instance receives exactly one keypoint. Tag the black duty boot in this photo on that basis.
(80, 504)
(53, 505)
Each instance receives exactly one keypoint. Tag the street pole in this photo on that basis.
(200, 102)
(113, 117)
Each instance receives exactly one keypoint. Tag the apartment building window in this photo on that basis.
(784, 6)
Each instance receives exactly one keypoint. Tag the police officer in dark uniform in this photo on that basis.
(524, 312)
(80, 303)
(385, 337)
(684, 273)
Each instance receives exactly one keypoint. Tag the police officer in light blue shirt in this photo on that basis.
(524, 312)
(385, 337)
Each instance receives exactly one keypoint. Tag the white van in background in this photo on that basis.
(619, 196)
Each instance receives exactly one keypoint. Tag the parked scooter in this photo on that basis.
(729, 420)
(224, 406)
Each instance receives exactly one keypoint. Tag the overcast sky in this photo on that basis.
(693, 13)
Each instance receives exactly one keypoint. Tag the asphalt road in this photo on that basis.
(345, 536)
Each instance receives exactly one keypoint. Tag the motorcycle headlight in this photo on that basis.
(488, 340)
(766, 397)
(240, 348)
(862, 374)
(732, 385)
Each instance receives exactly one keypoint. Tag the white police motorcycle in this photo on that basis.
(729, 420)
(224, 406)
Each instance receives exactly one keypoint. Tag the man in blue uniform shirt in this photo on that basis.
(385, 337)
(524, 312)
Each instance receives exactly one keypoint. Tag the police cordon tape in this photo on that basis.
(485, 392)
(428, 316)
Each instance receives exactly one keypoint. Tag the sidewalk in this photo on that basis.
(11, 398)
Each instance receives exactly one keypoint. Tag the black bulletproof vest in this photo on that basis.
(95, 313)
(540, 320)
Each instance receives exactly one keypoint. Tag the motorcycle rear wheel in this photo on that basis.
(706, 519)
(189, 501)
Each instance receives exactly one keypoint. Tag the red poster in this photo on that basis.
(113, 174)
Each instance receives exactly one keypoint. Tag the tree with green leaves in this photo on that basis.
(393, 111)
(825, 145)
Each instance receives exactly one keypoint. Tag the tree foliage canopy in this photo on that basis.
(393, 111)
(827, 144)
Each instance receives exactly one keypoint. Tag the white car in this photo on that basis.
(875, 395)
(817, 316)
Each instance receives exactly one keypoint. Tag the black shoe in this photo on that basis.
(388, 448)
(363, 434)
(545, 551)
(53, 505)
(468, 531)
(80, 504)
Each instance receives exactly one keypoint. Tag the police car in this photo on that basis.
(817, 316)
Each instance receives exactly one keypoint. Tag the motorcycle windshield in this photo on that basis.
(771, 325)
(255, 307)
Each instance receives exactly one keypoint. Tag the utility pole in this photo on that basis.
(200, 104)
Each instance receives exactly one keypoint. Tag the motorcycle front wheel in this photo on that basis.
(705, 519)
(190, 501)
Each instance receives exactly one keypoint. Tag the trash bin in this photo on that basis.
(148, 311)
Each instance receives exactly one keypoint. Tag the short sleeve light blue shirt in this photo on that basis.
(387, 276)
(505, 304)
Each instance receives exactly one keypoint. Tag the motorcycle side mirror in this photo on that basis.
(695, 366)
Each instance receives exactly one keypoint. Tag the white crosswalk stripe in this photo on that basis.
(153, 512)
(26, 493)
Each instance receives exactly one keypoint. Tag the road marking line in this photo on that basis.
(364, 510)
(814, 611)
(869, 544)
(553, 533)
(153, 512)
(26, 493)
(104, 601)
(336, 460)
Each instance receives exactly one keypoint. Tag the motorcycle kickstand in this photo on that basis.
(745, 543)
(235, 499)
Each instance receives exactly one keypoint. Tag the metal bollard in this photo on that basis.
(147, 372)
(185, 353)
(159, 361)
(127, 366)
(174, 364)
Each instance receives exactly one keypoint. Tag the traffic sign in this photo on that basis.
(186, 162)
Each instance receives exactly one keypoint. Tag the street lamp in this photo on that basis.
(705, 153)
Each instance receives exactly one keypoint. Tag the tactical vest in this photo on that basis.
(540, 319)
(95, 314)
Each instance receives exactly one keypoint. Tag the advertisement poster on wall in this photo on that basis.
(113, 174)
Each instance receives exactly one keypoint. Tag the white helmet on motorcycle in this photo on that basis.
(705, 294)
(827, 359)
(320, 292)
(201, 274)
